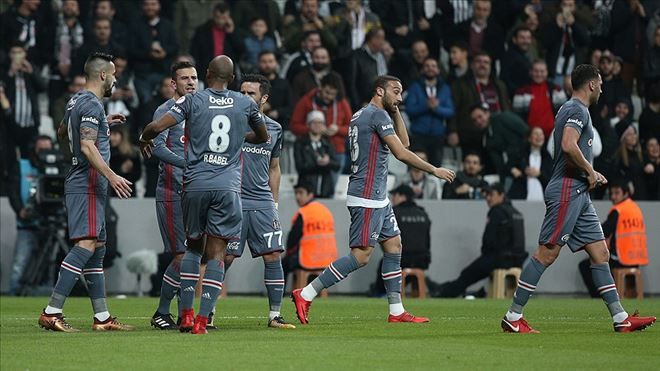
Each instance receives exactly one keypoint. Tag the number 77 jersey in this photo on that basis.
(216, 124)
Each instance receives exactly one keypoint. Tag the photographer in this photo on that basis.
(26, 221)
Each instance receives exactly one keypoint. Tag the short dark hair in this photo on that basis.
(311, 32)
(221, 7)
(371, 34)
(264, 83)
(618, 183)
(480, 105)
(264, 52)
(461, 44)
(179, 66)
(307, 186)
(481, 54)
(43, 137)
(473, 153)
(582, 74)
(333, 81)
(517, 30)
(382, 81)
(94, 62)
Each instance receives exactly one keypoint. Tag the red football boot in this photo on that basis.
(302, 305)
(519, 327)
(187, 320)
(200, 325)
(634, 323)
(406, 317)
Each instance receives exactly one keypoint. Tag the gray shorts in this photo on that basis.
(214, 213)
(85, 215)
(262, 232)
(369, 226)
(574, 222)
(170, 223)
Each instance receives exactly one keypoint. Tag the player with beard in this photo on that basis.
(375, 130)
(87, 129)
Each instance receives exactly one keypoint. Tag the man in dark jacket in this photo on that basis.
(515, 62)
(367, 63)
(502, 246)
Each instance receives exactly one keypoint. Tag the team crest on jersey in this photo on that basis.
(108, 133)
(270, 139)
(181, 99)
(276, 224)
(72, 103)
(590, 142)
(565, 237)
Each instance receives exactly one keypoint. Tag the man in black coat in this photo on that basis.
(516, 62)
(502, 246)
(367, 63)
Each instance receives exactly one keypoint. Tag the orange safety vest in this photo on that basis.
(630, 234)
(318, 247)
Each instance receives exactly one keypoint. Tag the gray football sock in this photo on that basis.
(336, 271)
(70, 271)
(189, 275)
(169, 287)
(606, 288)
(391, 268)
(211, 286)
(93, 273)
(274, 280)
(529, 278)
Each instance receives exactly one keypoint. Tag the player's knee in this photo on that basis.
(600, 256)
(546, 255)
(362, 255)
(272, 257)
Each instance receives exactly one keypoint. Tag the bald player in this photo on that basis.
(218, 121)
(86, 129)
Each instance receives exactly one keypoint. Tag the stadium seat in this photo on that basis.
(636, 289)
(302, 279)
(420, 290)
(500, 287)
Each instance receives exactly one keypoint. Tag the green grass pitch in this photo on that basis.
(345, 333)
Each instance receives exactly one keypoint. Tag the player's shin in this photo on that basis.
(274, 281)
(170, 286)
(95, 279)
(189, 277)
(335, 272)
(529, 278)
(391, 268)
(70, 271)
(607, 289)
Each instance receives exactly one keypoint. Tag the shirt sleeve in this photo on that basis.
(277, 150)
(575, 119)
(91, 116)
(164, 154)
(181, 108)
(383, 124)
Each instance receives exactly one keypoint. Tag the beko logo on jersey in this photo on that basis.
(216, 159)
(222, 101)
(257, 151)
(575, 121)
(90, 119)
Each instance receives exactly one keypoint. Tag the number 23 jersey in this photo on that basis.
(216, 124)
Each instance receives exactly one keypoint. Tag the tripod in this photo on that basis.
(43, 264)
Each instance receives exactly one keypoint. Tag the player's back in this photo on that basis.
(85, 110)
(255, 189)
(367, 185)
(573, 114)
(216, 124)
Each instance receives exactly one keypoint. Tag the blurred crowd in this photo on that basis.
(483, 79)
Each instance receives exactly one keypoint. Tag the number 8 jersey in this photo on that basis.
(216, 124)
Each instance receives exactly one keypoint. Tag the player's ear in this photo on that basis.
(264, 99)
(380, 91)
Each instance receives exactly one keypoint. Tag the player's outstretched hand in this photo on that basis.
(116, 119)
(445, 174)
(146, 147)
(121, 186)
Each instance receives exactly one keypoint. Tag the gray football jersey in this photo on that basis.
(216, 124)
(572, 114)
(86, 110)
(168, 148)
(367, 186)
(255, 190)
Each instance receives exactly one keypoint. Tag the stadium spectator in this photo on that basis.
(630, 161)
(257, 41)
(481, 33)
(215, 37)
(422, 185)
(306, 20)
(565, 41)
(153, 46)
(315, 157)
(21, 87)
(278, 107)
(7, 151)
(429, 105)
(335, 109)
(459, 64)
(124, 157)
(502, 246)
(469, 183)
(504, 136)
(310, 77)
(516, 59)
(403, 21)
(303, 57)
(360, 19)
(311, 241)
(101, 40)
(244, 11)
(532, 170)
(25, 25)
(649, 120)
(367, 64)
(415, 226)
(623, 113)
(190, 14)
(628, 39)
(613, 87)
(27, 237)
(409, 69)
(69, 37)
(652, 169)
(124, 98)
(625, 235)
(105, 9)
(652, 62)
(538, 101)
(58, 106)
(477, 86)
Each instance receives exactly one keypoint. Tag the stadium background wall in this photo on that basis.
(456, 240)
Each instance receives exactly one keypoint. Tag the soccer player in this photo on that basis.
(218, 121)
(168, 148)
(375, 130)
(570, 217)
(259, 196)
(87, 130)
